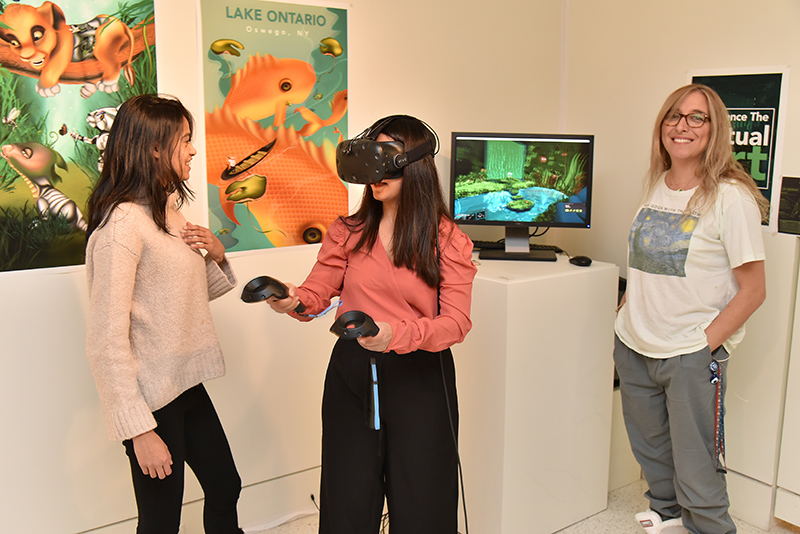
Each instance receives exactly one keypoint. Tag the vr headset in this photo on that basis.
(363, 160)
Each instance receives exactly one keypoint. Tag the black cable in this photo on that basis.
(384, 523)
(455, 442)
(535, 234)
(384, 517)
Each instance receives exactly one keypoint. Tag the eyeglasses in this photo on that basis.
(693, 120)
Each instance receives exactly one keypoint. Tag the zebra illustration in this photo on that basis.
(101, 119)
(36, 164)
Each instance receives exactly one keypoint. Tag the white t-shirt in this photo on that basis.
(680, 269)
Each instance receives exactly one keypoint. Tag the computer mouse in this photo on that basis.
(582, 261)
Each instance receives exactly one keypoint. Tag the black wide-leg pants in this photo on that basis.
(412, 460)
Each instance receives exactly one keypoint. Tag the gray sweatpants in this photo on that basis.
(669, 407)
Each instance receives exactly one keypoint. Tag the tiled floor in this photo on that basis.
(616, 519)
(625, 502)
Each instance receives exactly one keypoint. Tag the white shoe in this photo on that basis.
(652, 524)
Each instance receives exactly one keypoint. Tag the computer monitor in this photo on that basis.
(521, 181)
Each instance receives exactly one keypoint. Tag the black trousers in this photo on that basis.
(412, 460)
(191, 429)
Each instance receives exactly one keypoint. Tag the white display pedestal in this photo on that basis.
(535, 382)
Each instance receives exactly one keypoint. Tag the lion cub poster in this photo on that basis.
(65, 67)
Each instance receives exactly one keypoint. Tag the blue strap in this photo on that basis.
(326, 310)
(376, 409)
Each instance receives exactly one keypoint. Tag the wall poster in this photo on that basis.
(789, 214)
(753, 100)
(275, 81)
(57, 103)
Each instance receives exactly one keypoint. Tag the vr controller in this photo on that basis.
(264, 287)
(354, 324)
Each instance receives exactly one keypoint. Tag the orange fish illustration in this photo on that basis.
(303, 192)
(338, 109)
(266, 85)
(289, 184)
(229, 136)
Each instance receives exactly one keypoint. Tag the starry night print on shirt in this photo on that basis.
(659, 241)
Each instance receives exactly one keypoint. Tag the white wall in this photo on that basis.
(623, 58)
(546, 65)
(456, 67)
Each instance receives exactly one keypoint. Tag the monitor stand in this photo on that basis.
(517, 248)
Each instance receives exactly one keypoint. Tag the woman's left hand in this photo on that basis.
(752, 291)
(380, 341)
(200, 237)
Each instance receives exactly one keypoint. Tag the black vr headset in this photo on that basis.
(363, 160)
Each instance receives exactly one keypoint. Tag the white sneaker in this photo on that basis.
(652, 524)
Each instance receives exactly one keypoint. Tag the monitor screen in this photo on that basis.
(521, 180)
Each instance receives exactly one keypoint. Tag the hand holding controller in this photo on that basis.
(265, 287)
(354, 324)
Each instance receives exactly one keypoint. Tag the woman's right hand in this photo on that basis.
(287, 304)
(153, 455)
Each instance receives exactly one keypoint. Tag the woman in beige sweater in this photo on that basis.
(151, 340)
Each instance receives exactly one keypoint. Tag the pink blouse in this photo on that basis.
(370, 283)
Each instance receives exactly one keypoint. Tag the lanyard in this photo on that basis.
(719, 416)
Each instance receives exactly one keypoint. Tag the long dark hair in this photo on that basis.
(420, 208)
(131, 172)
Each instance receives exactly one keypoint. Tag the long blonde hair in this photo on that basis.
(717, 163)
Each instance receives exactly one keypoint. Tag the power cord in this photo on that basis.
(536, 233)
(384, 517)
(447, 398)
(455, 442)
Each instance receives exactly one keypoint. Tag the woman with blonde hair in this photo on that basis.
(695, 275)
(717, 163)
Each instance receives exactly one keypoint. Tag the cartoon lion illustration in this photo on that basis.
(43, 41)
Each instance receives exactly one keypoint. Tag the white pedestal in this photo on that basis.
(535, 382)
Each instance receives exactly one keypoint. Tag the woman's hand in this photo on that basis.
(285, 305)
(380, 341)
(153, 455)
(752, 291)
(200, 237)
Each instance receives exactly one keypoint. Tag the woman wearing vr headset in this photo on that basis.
(150, 339)
(402, 260)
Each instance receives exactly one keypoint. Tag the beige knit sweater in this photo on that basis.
(150, 334)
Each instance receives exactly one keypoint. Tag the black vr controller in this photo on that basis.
(354, 324)
(264, 287)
